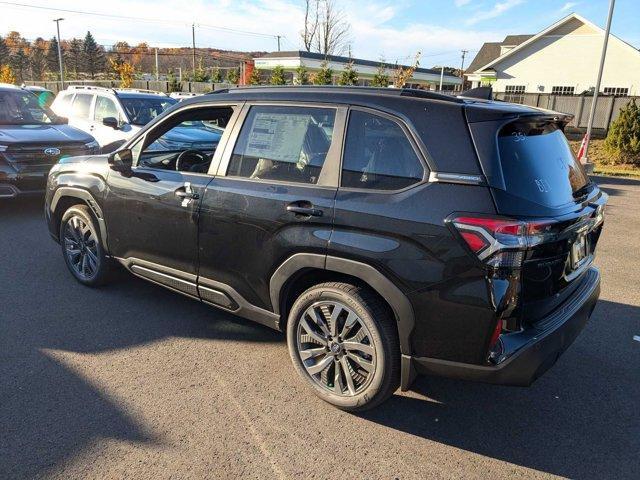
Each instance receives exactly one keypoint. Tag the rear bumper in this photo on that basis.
(531, 352)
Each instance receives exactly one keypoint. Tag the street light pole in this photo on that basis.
(594, 100)
(193, 40)
(441, 77)
(58, 20)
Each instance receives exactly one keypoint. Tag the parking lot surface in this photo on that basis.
(134, 381)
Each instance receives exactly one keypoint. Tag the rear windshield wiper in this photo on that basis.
(584, 190)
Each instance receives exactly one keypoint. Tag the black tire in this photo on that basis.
(91, 247)
(382, 335)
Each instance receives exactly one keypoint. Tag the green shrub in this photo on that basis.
(277, 76)
(302, 76)
(349, 76)
(324, 76)
(623, 140)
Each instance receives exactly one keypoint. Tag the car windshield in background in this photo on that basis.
(538, 164)
(141, 110)
(23, 108)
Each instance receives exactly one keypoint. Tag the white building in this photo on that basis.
(290, 61)
(563, 59)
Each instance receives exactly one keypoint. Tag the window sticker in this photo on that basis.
(277, 136)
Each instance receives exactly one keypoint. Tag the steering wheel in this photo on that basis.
(183, 160)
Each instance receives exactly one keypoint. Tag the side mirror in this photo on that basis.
(110, 122)
(121, 160)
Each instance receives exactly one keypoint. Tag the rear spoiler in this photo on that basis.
(482, 93)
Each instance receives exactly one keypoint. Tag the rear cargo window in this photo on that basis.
(538, 164)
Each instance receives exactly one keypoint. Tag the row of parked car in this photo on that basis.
(38, 128)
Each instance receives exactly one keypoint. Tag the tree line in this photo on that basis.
(84, 58)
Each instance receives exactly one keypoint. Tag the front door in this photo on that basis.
(273, 197)
(108, 138)
(152, 211)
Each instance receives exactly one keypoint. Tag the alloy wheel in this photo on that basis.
(336, 348)
(81, 247)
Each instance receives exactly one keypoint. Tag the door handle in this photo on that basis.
(304, 208)
(189, 195)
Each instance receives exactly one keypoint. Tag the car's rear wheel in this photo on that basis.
(81, 247)
(344, 344)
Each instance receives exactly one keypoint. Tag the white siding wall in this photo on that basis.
(570, 60)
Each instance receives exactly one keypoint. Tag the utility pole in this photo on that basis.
(157, 71)
(441, 76)
(193, 40)
(594, 100)
(58, 20)
(278, 37)
(464, 54)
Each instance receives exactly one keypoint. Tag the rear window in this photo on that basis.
(81, 105)
(538, 164)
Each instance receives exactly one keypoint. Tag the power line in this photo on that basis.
(141, 19)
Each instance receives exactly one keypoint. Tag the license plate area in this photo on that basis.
(579, 250)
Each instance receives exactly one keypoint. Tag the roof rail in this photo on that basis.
(91, 87)
(405, 92)
(141, 90)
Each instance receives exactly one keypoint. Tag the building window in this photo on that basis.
(617, 91)
(514, 93)
(562, 90)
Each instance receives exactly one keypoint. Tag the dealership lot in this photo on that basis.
(133, 381)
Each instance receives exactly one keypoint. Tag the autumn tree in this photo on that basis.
(403, 75)
(324, 76)
(19, 63)
(216, 75)
(302, 76)
(233, 76)
(278, 76)
(124, 70)
(92, 56)
(6, 74)
(254, 77)
(349, 75)
(380, 78)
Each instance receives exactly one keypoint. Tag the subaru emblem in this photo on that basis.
(52, 151)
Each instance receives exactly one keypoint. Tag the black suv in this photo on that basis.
(32, 139)
(388, 232)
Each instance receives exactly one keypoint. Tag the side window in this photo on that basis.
(186, 142)
(378, 155)
(81, 105)
(105, 107)
(283, 143)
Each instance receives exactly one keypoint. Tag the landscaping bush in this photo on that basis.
(623, 140)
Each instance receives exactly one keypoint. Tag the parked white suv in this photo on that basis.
(112, 116)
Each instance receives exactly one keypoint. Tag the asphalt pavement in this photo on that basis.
(134, 381)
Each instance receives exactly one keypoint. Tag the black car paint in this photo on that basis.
(399, 243)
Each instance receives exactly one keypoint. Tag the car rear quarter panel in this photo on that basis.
(405, 237)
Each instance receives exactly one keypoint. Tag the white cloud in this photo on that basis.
(498, 9)
(568, 6)
(461, 3)
(374, 33)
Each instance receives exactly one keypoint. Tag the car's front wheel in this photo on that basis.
(343, 342)
(81, 247)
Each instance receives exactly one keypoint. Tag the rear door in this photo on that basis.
(273, 196)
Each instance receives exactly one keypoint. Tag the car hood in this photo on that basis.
(192, 135)
(42, 134)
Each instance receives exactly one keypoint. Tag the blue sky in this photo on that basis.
(393, 30)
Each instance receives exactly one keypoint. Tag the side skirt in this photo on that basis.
(209, 291)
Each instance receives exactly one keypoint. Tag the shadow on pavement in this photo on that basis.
(577, 421)
(48, 413)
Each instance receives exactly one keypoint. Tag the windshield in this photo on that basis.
(142, 110)
(538, 164)
(23, 108)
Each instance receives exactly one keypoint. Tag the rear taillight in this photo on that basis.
(500, 242)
